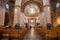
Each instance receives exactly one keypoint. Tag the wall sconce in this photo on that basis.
(58, 20)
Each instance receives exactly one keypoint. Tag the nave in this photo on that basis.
(29, 19)
(32, 35)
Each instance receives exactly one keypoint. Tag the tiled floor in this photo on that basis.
(32, 35)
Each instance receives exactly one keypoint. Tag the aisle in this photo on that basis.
(32, 35)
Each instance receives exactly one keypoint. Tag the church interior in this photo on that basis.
(29, 19)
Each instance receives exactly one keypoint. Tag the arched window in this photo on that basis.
(57, 5)
(7, 6)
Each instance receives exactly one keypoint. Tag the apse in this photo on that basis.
(32, 9)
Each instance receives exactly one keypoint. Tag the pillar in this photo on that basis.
(2, 11)
(47, 14)
(17, 11)
(42, 19)
(2, 15)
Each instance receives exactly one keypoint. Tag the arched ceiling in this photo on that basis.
(24, 1)
(32, 10)
(3, 2)
(27, 2)
(53, 5)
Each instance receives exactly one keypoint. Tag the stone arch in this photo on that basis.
(10, 10)
(33, 2)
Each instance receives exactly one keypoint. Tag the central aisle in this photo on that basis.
(32, 35)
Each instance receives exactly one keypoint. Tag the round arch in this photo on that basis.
(9, 12)
(40, 5)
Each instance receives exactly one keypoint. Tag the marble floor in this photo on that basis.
(32, 35)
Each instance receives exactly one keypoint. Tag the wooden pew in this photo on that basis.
(5, 32)
(52, 33)
(58, 33)
(13, 33)
(17, 34)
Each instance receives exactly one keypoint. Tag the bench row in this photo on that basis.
(54, 32)
(13, 33)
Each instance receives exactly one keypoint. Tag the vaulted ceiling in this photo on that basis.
(27, 2)
(3, 2)
(53, 5)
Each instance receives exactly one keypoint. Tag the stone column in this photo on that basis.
(47, 14)
(17, 12)
(2, 15)
(2, 11)
(42, 19)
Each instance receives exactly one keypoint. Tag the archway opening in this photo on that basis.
(6, 20)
